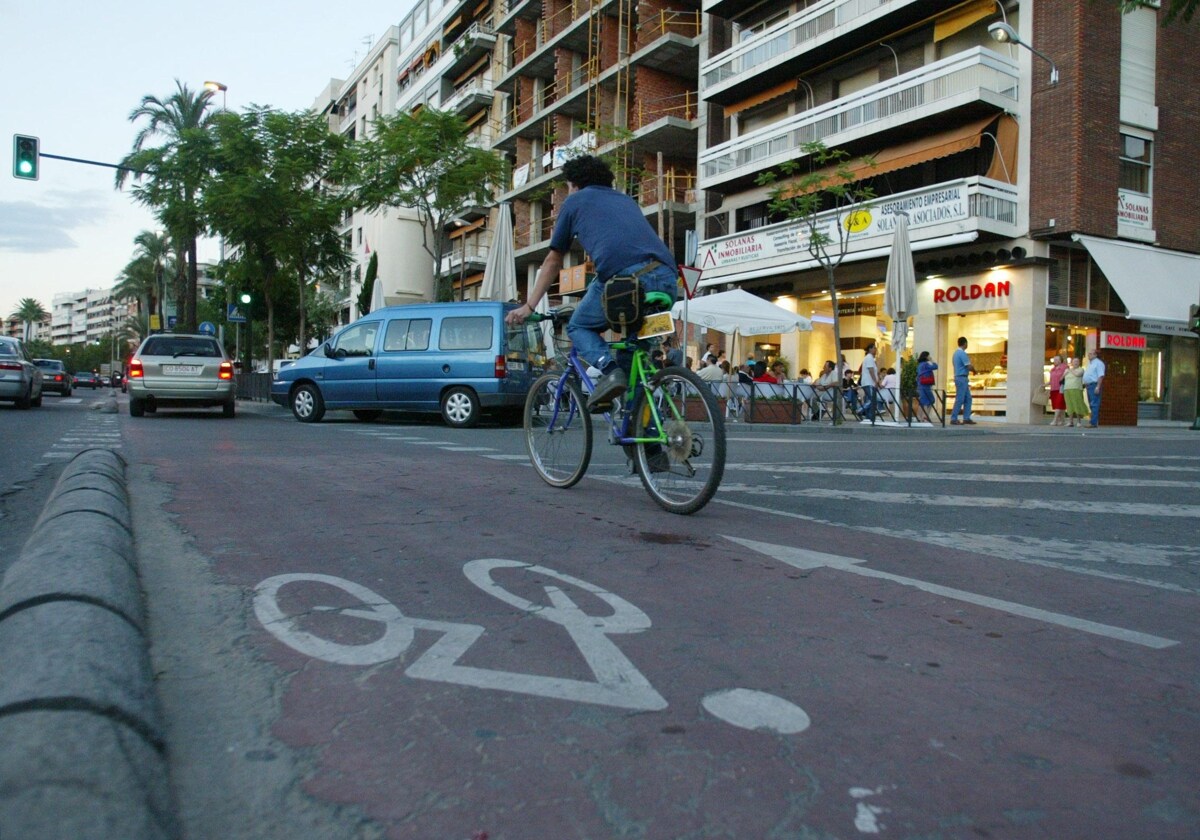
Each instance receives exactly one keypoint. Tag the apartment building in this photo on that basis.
(1049, 194)
(610, 76)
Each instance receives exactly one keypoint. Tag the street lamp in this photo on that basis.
(1005, 34)
(248, 355)
(217, 86)
(462, 265)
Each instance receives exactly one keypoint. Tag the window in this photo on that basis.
(407, 334)
(1136, 163)
(358, 340)
(466, 333)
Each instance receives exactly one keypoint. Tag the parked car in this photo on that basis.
(458, 359)
(55, 377)
(20, 378)
(175, 370)
(87, 379)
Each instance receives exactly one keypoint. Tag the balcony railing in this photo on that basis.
(476, 88)
(937, 87)
(796, 33)
(946, 209)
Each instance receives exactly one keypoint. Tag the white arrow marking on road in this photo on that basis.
(974, 478)
(807, 560)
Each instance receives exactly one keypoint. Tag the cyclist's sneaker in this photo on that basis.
(608, 387)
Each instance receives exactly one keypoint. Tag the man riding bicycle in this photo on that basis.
(620, 241)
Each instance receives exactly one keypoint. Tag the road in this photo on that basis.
(395, 630)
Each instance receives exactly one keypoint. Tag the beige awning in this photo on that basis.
(761, 97)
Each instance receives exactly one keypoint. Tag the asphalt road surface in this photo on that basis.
(396, 630)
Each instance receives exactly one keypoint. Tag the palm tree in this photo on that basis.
(171, 176)
(142, 277)
(31, 312)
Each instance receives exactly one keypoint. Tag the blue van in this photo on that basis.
(458, 359)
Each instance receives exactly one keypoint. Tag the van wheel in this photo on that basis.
(460, 407)
(368, 415)
(307, 404)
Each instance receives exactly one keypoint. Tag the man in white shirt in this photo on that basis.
(869, 381)
(1093, 378)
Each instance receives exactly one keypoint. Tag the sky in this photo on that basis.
(76, 69)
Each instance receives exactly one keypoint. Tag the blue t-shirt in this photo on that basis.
(611, 228)
(962, 363)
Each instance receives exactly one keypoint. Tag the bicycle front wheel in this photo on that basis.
(558, 430)
(682, 468)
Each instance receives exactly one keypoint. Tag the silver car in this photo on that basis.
(181, 371)
(20, 378)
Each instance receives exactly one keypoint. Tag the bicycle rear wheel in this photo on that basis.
(683, 472)
(558, 430)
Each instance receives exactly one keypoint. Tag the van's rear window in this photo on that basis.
(473, 333)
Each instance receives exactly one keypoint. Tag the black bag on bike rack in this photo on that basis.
(622, 302)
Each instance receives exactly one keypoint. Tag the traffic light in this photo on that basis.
(25, 157)
(1194, 318)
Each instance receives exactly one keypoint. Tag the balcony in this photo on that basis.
(966, 78)
(823, 33)
(478, 41)
(469, 98)
(940, 215)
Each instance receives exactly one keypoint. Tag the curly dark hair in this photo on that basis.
(587, 171)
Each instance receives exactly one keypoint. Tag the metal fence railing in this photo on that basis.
(795, 402)
(254, 386)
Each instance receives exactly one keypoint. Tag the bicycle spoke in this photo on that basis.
(681, 471)
(558, 430)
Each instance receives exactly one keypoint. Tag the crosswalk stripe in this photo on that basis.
(926, 475)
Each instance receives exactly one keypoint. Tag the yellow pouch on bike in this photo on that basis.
(622, 302)
(660, 323)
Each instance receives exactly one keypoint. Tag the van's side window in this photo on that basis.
(407, 334)
(466, 333)
(358, 340)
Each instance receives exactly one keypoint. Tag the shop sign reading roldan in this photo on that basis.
(950, 297)
(1122, 341)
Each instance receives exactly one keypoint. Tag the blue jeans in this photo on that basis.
(588, 323)
(962, 399)
(869, 397)
(1093, 397)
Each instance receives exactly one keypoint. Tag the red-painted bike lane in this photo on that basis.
(467, 651)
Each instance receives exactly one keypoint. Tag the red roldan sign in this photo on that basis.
(971, 291)
(1121, 341)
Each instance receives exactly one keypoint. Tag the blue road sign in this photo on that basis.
(207, 328)
(233, 314)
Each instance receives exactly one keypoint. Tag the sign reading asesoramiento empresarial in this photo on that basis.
(1122, 341)
(877, 219)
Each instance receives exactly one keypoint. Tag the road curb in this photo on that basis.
(82, 744)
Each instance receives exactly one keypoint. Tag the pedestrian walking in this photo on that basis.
(1073, 392)
(1093, 379)
(925, 382)
(962, 386)
(1057, 400)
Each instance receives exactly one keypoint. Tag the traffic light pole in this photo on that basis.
(92, 163)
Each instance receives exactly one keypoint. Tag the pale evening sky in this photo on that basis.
(76, 70)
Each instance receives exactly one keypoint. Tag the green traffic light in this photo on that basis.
(25, 157)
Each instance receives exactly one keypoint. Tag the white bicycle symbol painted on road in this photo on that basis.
(617, 681)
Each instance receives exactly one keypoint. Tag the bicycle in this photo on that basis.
(667, 421)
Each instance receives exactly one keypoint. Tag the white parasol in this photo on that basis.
(500, 272)
(900, 285)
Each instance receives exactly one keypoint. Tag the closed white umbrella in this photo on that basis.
(900, 285)
(377, 301)
(500, 272)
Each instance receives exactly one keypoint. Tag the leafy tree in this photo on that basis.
(1176, 10)
(31, 312)
(366, 295)
(170, 177)
(824, 200)
(323, 313)
(271, 196)
(426, 161)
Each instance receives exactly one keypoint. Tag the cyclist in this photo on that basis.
(620, 241)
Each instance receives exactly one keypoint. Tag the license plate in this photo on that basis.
(516, 365)
(183, 370)
(659, 324)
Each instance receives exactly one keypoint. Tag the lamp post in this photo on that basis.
(248, 358)
(1005, 34)
(462, 265)
(217, 86)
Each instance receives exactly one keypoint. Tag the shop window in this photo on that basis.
(1152, 370)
